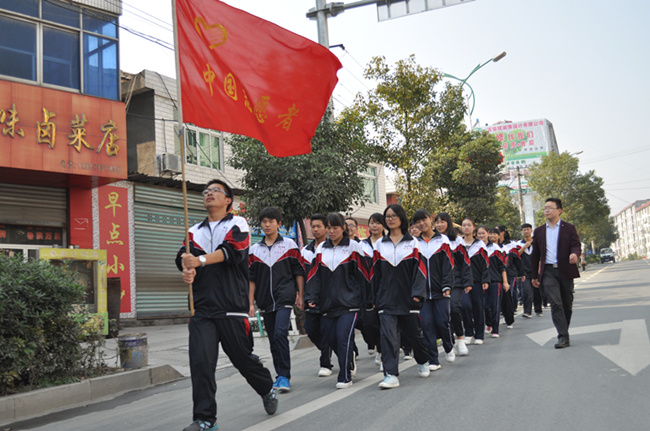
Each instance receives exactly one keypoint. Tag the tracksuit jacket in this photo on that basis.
(496, 264)
(274, 270)
(398, 275)
(220, 290)
(477, 253)
(525, 257)
(338, 279)
(514, 267)
(307, 256)
(462, 271)
(437, 257)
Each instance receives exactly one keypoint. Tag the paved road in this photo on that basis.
(516, 382)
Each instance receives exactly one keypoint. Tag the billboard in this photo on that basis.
(523, 143)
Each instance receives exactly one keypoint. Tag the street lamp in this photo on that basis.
(464, 82)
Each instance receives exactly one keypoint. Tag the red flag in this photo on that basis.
(243, 75)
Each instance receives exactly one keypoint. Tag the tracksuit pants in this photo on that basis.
(435, 324)
(234, 334)
(474, 312)
(315, 334)
(493, 306)
(507, 302)
(338, 331)
(528, 294)
(457, 294)
(277, 327)
(410, 325)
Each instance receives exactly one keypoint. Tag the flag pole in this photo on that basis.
(181, 136)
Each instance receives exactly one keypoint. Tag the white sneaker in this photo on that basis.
(423, 370)
(469, 340)
(408, 356)
(378, 359)
(510, 326)
(372, 351)
(324, 372)
(353, 371)
(478, 341)
(461, 348)
(389, 381)
(495, 335)
(343, 385)
(451, 356)
(381, 367)
(434, 367)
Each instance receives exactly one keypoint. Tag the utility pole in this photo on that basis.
(521, 197)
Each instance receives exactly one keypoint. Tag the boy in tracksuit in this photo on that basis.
(276, 285)
(313, 315)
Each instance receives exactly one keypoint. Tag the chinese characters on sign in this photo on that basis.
(46, 131)
(114, 237)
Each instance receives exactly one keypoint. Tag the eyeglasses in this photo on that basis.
(215, 190)
(391, 217)
(549, 208)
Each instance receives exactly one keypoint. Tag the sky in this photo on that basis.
(581, 64)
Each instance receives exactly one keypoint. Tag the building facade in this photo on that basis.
(63, 150)
(633, 225)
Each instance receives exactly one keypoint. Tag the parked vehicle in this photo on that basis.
(607, 255)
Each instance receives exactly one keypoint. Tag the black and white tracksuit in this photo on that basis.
(493, 293)
(398, 275)
(438, 260)
(473, 303)
(274, 269)
(337, 282)
(462, 279)
(221, 308)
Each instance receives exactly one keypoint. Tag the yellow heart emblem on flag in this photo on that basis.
(214, 34)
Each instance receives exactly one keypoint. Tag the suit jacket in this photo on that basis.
(568, 242)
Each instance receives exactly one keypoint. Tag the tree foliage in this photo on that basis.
(406, 118)
(465, 174)
(328, 179)
(583, 197)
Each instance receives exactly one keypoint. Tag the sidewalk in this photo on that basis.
(168, 360)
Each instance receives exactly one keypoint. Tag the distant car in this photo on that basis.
(606, 255)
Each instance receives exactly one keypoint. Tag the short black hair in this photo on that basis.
(272, 213)
(351, 218)
(525, 225)
(558, 202)
(401, 213)
(420, 214)
(377, 218)
(336, 219)
(317, 217)
(226, 187)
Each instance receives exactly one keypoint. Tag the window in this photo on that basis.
(203, 147)
(43, 40)
(370, 183)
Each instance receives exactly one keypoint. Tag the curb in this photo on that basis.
(40, 402)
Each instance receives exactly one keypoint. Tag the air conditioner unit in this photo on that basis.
(170, 163)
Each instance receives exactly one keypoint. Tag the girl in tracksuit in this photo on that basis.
(337, 283)
(514, 270)
(398, 282)
(462, 281)
(473, 304)
(437, 257)
(370, 320)
(498, 281)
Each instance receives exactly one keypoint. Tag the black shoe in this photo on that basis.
(270, 402)
(562, 343)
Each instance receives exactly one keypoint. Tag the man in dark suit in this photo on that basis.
(556, 248)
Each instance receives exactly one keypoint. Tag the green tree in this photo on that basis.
(583, 197)
(406, 118)
(506, 212)
(465, 174)
(327, 179)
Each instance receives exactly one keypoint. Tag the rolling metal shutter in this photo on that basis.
(159, 234)
(33, 205)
